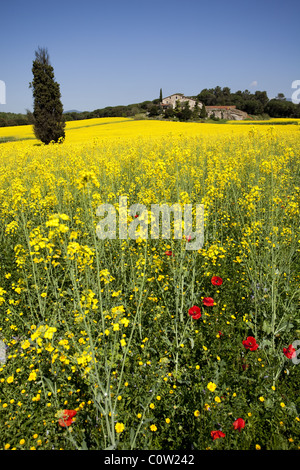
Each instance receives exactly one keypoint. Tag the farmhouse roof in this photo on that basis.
(221, 107)
(173, 94)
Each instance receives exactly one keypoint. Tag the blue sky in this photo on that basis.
(122, 52)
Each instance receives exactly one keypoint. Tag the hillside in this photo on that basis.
(255, 104)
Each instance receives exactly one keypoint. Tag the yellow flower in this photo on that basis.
(22, 441)
(64, 216)
(49, 347)
(7, 446)
(196, 413)
(32, 376)
(218, 399)
(261, 399)
(257, 447)
(119, 427)
(139, 415)
(125, 321)
(282, 405)
(153, 427)
(25, 344)
(211, 386)
(49, 333)
(152, 406)
(10, 379)
(168, 420)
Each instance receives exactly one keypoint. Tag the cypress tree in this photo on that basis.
(49, 123)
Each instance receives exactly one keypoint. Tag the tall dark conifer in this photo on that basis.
(49, 123)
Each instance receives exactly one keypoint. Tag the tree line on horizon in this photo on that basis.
(254, 104)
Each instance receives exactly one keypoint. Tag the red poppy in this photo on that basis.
(168, 253)
(195, 312)
(289, 352)
(208, 301)
(136, 215)
(67, 418)
(216, 281)
(250, 343)
(217, 434)
(239, 424)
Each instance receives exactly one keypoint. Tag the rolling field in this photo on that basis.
(140, 342)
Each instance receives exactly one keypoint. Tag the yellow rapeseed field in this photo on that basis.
(139, 343)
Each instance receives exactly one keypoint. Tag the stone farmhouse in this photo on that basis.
(170, 101)
(221, 112)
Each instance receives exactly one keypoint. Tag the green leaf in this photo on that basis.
(286, 327)
(267, 327)
(83, 445)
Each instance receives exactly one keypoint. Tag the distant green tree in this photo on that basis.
(160, 95)
(203, 113)
(154, 110)
(183, 112)
(177, 108)
(49, 122)
(262, 97)
(253, 106)
(281, 108)
(226, 95)
(207, 97)
(280, 96)
(29, 116)
(169, 113)
(196, 110)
